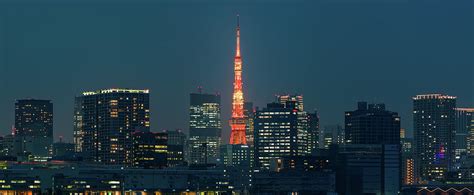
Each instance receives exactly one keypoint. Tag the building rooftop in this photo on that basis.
(465, 109)
(433, 96)
(115, 90)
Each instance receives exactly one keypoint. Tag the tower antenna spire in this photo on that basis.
(238, 21)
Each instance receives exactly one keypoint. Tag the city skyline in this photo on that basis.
(332, 87)
(321, 97)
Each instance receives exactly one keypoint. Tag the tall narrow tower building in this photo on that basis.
(237, 122)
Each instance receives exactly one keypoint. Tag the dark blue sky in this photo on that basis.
(334, 52)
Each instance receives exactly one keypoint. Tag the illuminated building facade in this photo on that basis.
(204, 128)
(150, 149)
(277, 134)
(408, 163)
(331, 134)
(409, 171)
(434, 134)
(104, 123)
(402, 133)
(372, 124)
(464, 131)
(12, 185)
(249, 113)
(34, 125)
(238, 122)
(295, 102)
(176, 146)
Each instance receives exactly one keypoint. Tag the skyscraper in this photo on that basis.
(434, 133)
(34, 126)
(104, 123)
(464, 131)
(295, 102)
(237, 122)
(277, 134)
(372, 124)
(204, 128)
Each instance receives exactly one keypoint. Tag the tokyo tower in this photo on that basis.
(237, 122)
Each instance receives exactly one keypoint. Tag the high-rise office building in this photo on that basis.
(372, 124)
(434, 133)
(104, 123)
(34, 125)
(295, 102)
(176, 147)
(464, 131)
(277, 134)
(204, 128)
(371, 151)
(150, 149)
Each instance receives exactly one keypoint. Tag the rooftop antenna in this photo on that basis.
(238, 21)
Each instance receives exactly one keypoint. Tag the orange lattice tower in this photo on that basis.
(237, 123)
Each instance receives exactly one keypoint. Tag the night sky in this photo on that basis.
(334, 52)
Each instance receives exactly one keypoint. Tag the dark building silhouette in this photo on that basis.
(434, 134)
(150, 149)
(370, 160)
(34, 118)
(176, 147)
(367, 168)
(313, 131)
(372, 124)
(104, 121)
(63, 151)
(204, 128)
(34, 127)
